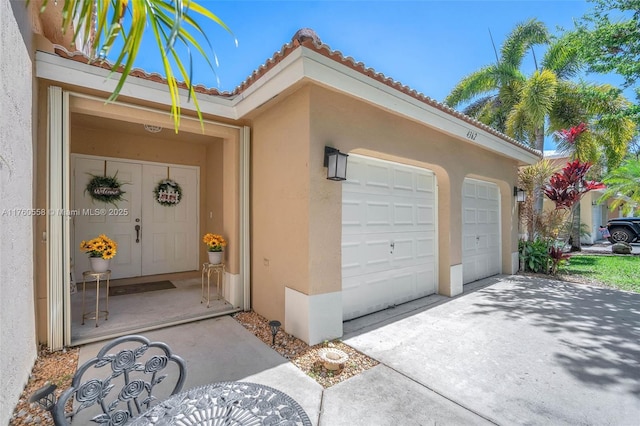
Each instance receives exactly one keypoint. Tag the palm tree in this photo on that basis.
(607, 136)
(624, 180)
(494, 89)
(102, 23)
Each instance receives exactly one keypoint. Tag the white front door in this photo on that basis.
(169, 233)
(480, 230)
(388, 235)
(92, 218)
(151, 238)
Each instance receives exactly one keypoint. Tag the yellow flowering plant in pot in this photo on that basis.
(215, 243)
(101, 246)
(101, 250)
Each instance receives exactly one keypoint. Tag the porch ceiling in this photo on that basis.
(107, 124)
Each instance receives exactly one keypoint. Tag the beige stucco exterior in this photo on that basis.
(260, 155)
(280, 214)
(296, 232)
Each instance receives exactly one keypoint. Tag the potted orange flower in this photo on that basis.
(215, 243)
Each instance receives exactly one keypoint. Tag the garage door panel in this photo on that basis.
(389, 230)
(426, 183)
(469, 190)
(378, 213)
(482, 192)
(470, 216)
(426, 246)
(480, 230)
(404, 249)
(377, 176)
(403, 180)
(352, 214)
(386, 289)
(403, 214)
(425, 216)
(377, 254)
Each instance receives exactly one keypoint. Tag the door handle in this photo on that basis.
(393, 246)
(137, 227)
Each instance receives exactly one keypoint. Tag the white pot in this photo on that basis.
(215, 257)
(99, 264)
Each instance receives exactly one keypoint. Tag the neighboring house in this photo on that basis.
(594, 212)
(427, 206)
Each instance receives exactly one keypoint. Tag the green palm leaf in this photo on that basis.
(172, 23)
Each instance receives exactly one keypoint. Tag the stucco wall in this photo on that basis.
(17, 323)
(280, 204)
(296, 211)
(353, 126)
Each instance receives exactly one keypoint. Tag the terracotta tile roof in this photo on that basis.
(307, 38)
(135, 72)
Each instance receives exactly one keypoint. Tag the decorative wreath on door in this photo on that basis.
(168, 192)
(105, 188)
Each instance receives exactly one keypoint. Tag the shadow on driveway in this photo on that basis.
(519, 350)
(604, 325)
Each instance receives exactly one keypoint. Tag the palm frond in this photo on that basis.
(173, 23)
(521, 39)
(471, 86)
(563, 59)
(625, 181)
(539, 95)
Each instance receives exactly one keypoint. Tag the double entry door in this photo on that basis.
(152, 238)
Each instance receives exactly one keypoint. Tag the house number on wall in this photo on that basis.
(472, 135)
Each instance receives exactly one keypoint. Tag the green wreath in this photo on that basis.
(168, 192)
(107, 189)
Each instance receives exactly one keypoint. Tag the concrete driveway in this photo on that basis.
(516, 350)
(511, 350)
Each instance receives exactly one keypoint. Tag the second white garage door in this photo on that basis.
(388, 235)
(480, 230)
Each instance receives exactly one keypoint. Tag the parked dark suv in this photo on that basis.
(626, 229)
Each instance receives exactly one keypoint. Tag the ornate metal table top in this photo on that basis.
(226, 403)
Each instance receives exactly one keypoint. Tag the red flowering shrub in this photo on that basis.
(567, 187)
(570, 135)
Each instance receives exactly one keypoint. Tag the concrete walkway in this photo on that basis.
(511, 350)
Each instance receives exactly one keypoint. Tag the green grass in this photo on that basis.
(621, 272)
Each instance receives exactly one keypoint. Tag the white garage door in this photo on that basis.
(480, 230)
(388, 235)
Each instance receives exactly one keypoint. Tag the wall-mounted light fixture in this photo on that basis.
(520, 195)
(336, 163)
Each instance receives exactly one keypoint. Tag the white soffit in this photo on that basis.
(53, 67)
(305, 63)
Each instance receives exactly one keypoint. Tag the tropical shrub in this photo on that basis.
(534, 255)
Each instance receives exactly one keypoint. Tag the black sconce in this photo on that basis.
(274, 325)
(520, 195)
(336, 164)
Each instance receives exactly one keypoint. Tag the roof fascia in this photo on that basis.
(306, 64)
(62, 70)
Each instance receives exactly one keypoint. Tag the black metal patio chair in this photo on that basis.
(118, 386)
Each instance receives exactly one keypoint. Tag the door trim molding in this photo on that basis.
(57, 228)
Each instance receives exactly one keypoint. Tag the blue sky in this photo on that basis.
(426, 45)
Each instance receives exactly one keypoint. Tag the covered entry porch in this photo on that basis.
(84, 127)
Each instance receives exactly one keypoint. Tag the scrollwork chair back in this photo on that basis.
(122, 383)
